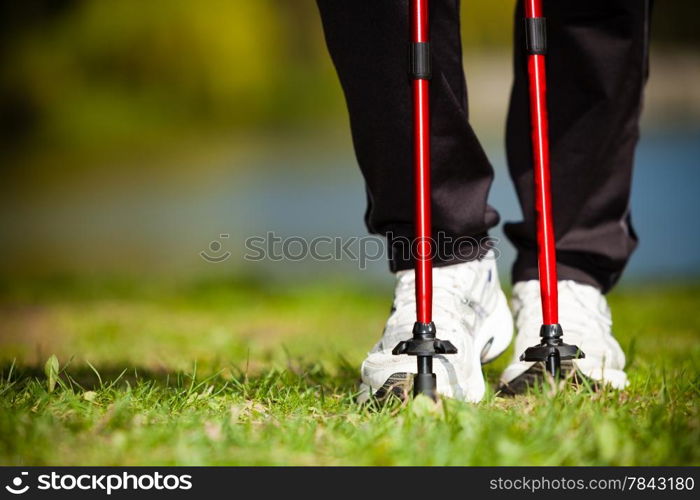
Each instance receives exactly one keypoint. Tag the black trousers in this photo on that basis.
(597, 65)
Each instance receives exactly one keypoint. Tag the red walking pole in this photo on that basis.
(424, 344)
(552, 349)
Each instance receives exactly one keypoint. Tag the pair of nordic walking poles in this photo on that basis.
(424, 344)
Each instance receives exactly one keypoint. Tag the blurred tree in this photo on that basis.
(100, 72)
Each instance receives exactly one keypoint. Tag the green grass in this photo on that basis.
(237, 373)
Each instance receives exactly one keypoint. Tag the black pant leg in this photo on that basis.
(596, 70)
(368, 41)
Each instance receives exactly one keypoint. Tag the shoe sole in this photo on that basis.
(399, 385)
(536, 376)
(397, 375)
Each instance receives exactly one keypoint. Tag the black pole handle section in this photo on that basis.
(425, 384)
(553, 364)
(420, 61)
(536, 35)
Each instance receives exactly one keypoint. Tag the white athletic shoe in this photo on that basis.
(469, 309)
(585, 318)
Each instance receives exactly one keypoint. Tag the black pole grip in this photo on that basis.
(536, 35)
(420, 61)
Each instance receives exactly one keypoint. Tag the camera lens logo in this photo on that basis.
(16, 488)
(215, 247)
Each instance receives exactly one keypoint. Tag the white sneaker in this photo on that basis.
(585, 318)
(469, 309)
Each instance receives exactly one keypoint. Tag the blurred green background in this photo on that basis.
(134, 133)
(137, 134)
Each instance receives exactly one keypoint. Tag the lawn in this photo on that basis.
(223, 372)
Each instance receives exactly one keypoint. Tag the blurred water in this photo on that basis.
(665, 204)
(163, 223)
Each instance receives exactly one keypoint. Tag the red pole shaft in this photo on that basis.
(546, 255)
(421, 167)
